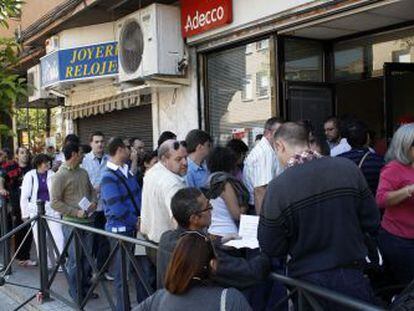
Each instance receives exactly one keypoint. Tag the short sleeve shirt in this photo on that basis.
(260, 167)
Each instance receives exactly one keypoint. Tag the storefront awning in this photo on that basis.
(118, 102)
(43, 103)
(374, 15)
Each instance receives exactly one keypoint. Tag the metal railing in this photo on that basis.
(47, 279)
(305, 295)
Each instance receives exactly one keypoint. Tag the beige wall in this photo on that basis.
(32, 10)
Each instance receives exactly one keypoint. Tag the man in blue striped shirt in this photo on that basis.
(121, 199)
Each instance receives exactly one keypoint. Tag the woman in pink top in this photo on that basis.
(396, 196)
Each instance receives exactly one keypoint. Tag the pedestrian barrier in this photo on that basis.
(304, 294)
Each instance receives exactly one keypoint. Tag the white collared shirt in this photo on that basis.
(260, 167)
(160, 185)
(342, 147)
(124, 169)
(95, 171)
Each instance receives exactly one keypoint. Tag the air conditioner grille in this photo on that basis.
(131, 45)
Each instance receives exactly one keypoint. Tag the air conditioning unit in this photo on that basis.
(150, 43)
(52, 44)
(34, 89)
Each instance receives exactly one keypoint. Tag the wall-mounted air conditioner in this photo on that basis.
(34, 89)
(150, 43)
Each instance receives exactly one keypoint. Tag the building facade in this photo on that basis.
(240, 65)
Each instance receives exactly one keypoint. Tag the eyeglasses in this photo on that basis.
(208, 208)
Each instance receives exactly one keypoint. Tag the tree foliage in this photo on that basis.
(9, 8)
(12, 86)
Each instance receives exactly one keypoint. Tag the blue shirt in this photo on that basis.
(95, 171)
(197, 175)
(120, 212)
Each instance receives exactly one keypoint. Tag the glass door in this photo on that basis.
(310, 101)
(398, 95)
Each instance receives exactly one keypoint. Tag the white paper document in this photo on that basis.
(84, 204)
(247, 232)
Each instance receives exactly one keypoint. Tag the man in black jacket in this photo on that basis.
(192, 211)
(318, 212)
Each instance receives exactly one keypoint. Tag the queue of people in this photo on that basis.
(327, 208)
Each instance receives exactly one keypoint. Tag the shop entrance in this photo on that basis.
(310, 101)
(363, 100)
(399, 94)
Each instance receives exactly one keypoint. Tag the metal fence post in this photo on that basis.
(4, 230)
(41, 234)
(79, 268)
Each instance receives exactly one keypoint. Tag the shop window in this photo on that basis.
(349, 63)
(303, 60)
(247, 88)
(262, 84)
(403, 56)
(365, 57)
(262, 45)
(239, 92)
(249, 48)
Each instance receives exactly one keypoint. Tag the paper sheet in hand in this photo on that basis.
(84, 204)
(247, 232)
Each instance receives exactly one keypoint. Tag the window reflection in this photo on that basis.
(303, 60)
(365, 57)
(239, 91)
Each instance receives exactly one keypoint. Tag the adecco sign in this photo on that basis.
(198, 16)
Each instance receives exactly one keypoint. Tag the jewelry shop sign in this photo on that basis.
(80, 63)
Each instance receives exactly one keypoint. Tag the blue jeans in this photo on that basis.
(266, 294)
(399, 255)
(148, 273)
(85, 269)
(101, 248)
(347, 281)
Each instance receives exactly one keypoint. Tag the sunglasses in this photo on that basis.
(177, 144)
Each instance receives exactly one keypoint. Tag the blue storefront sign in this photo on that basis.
(80, 63)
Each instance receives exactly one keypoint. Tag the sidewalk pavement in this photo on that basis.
(11, 296)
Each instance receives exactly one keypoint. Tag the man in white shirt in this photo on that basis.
(336, 142)
(94, 163)
(161, 182)
(261, 165)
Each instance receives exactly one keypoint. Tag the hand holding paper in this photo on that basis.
(247, 232)
(87, 206)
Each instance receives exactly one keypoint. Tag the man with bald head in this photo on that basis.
(318, 211)
(161, 182)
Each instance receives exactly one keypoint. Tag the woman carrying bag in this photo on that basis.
(37, 186)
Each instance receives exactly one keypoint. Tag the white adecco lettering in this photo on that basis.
(204, 19)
